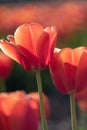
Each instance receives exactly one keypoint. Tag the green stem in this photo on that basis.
(39, 83)
(2, 85)
(73, 111)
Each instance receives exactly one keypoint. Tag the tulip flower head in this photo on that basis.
(68, 69)
(31, 46)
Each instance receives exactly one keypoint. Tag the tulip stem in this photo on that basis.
(40, 91)
(73, 111)
(2, 85)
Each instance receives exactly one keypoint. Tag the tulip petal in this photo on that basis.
(77, 55)
(13, 52)
(52, 31)
(27, 35)
(11, 39)
(58, 73)
(10, 50)
(7, 103)
(23, 116)
(67, 55)
(81, 76)
(32, 59)
(46, 44)
(71, 59)
(43, 49)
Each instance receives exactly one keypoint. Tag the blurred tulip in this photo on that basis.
(67, 16)
(31, 46)
(81, 95)
(6, 66)
(83, 105)
(68, 69)
(81, 98)
(35, 103)
(16, 112)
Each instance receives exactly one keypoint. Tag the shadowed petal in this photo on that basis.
(32, 59)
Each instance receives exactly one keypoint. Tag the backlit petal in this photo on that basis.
(27, 36)
(67, 56)
(13, 52)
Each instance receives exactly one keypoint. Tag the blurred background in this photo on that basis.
(70, 17)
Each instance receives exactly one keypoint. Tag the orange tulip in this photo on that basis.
(68, 69)
(6, 65)
(31, 46)
(16, 113)
(35, 103)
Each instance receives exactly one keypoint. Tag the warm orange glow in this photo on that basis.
(67, 16)
(68, 69)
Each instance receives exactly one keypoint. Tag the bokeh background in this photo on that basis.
(70, 17)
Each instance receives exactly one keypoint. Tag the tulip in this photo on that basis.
(31, 46)
(16, 112)
(6, 65)
(68, 69)
(34, 97)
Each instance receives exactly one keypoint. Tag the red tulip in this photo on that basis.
(31, 46)
(16, 113)
(81, 95)
(5, 66)
(68, 69)
(34, 97)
